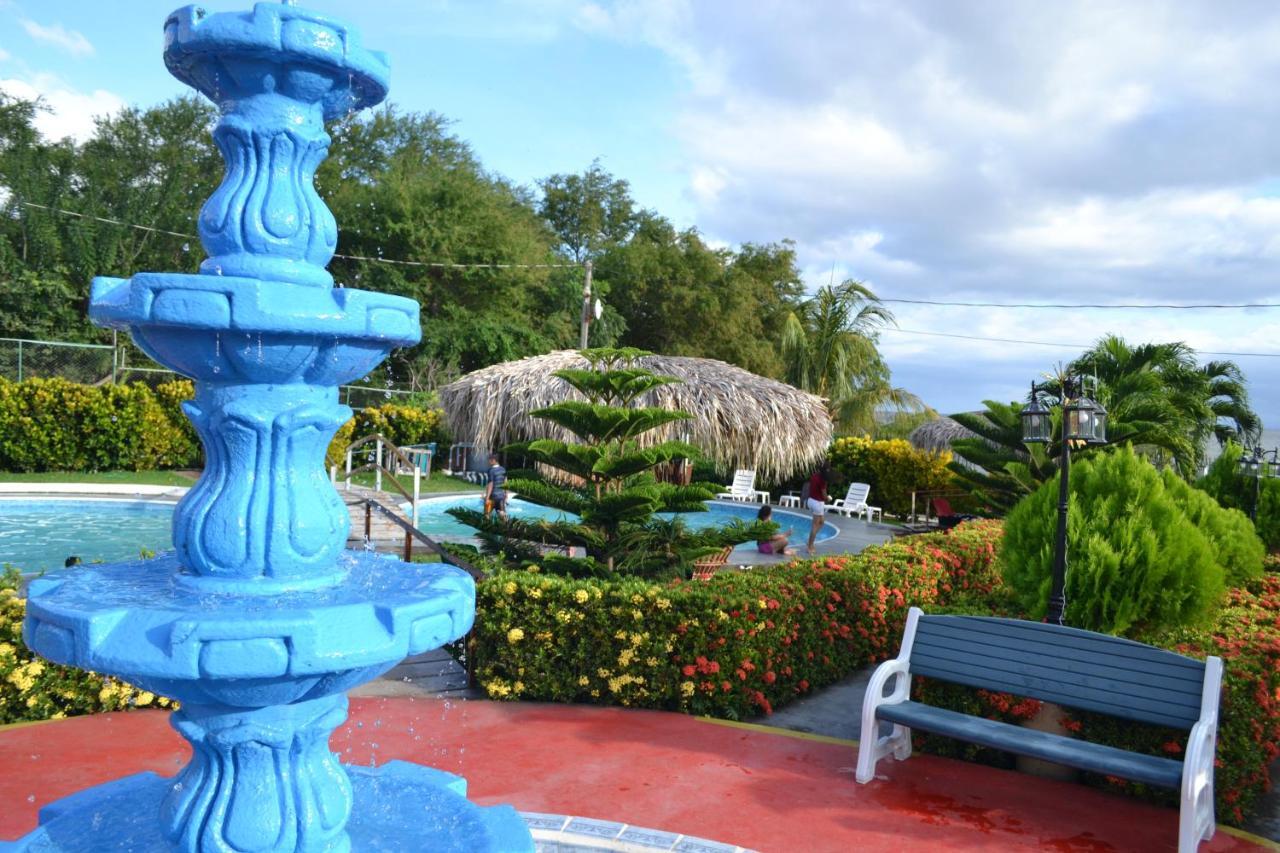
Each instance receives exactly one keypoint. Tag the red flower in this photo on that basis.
(689, 670)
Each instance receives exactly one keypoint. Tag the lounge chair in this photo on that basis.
(707, 566)
(743, 488)
(855, 502)
(947, 517)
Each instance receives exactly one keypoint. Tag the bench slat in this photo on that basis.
(1116, 655)
(1062, 665)
(1070, 670)
(1162, 772)
(1054, 674)
(1136, 710)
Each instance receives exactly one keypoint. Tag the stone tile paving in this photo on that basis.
(554, 833)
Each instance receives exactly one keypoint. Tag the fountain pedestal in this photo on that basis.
(259, 621)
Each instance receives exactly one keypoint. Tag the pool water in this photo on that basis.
(434, 520)
(36, 535)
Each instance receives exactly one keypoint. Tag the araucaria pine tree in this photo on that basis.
(604, 483)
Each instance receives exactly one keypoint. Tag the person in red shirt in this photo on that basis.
(817, 501)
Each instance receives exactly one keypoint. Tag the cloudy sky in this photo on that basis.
(956, 150)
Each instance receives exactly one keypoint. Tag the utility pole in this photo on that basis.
(587, 309)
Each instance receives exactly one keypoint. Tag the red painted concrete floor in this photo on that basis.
(764, 789)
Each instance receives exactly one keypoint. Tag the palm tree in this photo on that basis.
(1168, 403)
(829, 349)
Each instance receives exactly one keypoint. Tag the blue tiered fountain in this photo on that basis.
(259, 621)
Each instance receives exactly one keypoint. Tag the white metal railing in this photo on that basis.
(385, 453)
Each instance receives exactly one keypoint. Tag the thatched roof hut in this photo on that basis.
(740, 420)
(936, 435)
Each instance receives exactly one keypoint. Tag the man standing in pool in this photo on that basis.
(495, 493)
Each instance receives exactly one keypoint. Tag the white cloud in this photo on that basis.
(68, 112)
(4, 55)
(994, 149)
(72, 41)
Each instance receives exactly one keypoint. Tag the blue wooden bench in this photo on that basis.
(1066, 666)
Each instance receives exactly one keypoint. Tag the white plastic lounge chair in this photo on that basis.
(743, 488)
(855, 502)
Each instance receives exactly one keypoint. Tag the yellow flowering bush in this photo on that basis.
(33, 689)
(57, 425)
(401, 425)
(893, 469)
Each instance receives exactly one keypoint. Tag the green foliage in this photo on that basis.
(604, 478)
(56, 425)
(829, 348)
(1239, 550)
(737, 645)
(1144, 552)
(996, 468)
(893, 469)
(1234, 490)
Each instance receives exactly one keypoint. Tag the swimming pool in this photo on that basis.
(435, 521)
(40, 534)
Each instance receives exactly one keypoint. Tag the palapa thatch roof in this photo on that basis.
(936, 435)
(740, 420)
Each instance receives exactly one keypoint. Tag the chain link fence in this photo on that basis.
(101, 364)
(90, 364)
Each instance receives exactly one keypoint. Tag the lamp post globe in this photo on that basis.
(1037, 422)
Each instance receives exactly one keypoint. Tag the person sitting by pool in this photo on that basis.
(775, 544)
(495, 493)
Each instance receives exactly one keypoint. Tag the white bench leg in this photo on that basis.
(871, 746)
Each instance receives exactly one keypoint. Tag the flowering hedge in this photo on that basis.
(740, 644)
(32, 689)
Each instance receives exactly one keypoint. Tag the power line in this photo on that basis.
(1197, 306)
(1060, 345)
(431, 264)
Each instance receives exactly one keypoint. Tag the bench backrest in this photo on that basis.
(744, 480)
(1068, 666)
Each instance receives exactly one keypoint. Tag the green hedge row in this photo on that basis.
(57, 425)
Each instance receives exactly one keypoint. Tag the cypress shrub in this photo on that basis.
(1137, 559)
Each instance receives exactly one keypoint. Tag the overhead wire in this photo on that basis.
(896, 300)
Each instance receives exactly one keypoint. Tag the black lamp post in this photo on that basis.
(1258, 463)
(1083, 422)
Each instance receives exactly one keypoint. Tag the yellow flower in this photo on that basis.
(637, 599)
(603, 673)
(518, 687)
(663, 603)
(563, 616)
(650, 661)
(686, 688)
(595, 693)
(146, 697)
(509, 588)
(637, 615)
(626, 657)
(515, 635)
(58, 715)
(581, 596)
(34, 668)
(533, 568)
(583, 681)
(534, 592)
(620, 635)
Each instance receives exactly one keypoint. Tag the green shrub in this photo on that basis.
(1136, 559)
(893, 468)
(739, 644)
(1224, 482)
(1238, 548)
(56, 425)
(1268, 523)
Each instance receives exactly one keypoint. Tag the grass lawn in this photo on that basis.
(137, 478)
(435, 484)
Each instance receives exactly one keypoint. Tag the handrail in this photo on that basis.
(411, 532)
(377, 466)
